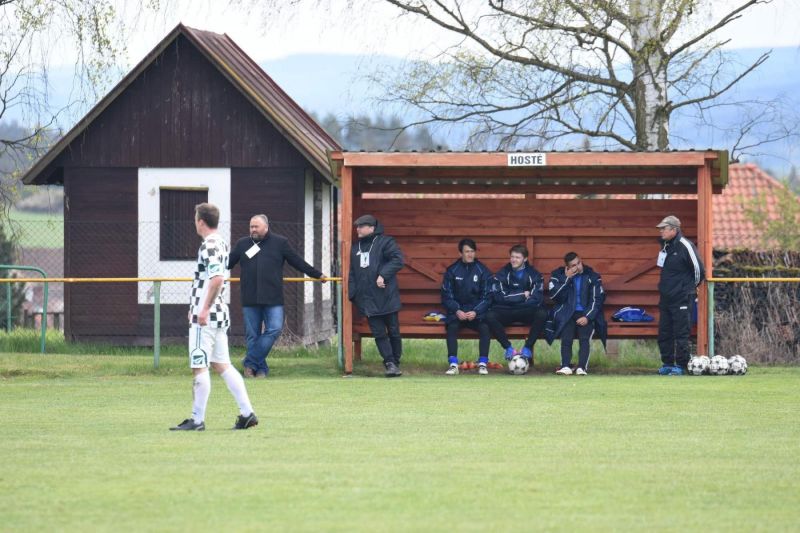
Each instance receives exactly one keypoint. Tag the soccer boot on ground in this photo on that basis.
(482, 370)
(244, 422)
(392, 370)
(665, 370)
(581, 372)
(677, 371)
(564, 371)
(453, 370)
(189, 425)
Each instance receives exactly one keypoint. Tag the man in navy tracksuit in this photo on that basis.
(465, 296)
(517, 297)
(681, 273)
(577, 292)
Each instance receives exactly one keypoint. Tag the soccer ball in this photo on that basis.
(518, 365)
(737, 365)
(718, 366)
(698, 365)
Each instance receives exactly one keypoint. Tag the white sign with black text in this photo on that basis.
(527, 160)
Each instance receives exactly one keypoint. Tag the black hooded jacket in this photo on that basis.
(262, 274)
(385, 259)
(682, 271)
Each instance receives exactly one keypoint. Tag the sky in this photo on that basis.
(380, 29)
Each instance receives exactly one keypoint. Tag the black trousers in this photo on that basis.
(674, 327)
(498, 319)
(584, 334)
(386, 330)
(480, 326)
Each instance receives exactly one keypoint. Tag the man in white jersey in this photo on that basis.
(208, 330)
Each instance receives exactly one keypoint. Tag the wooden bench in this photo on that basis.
(435, 330)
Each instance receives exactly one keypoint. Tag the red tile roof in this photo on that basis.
(732, 228)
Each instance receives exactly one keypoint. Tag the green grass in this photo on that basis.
(85, 448)
(38, 230)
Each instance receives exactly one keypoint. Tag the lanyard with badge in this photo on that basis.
(662, 256)
(253, 250)
(364, 256)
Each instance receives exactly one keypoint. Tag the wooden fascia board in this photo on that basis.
(554, 159)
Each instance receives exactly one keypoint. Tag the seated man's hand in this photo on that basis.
(471, 315)
(461, 315)
(582, 321)
(527, 294)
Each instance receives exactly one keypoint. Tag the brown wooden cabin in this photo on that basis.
(195, 120)
(617, 237)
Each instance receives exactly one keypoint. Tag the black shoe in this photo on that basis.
(244, 422)
(189, 425)
(392, 370)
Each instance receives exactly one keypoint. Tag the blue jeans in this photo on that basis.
(259, 344)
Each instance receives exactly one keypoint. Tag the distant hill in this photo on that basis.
(336, 84)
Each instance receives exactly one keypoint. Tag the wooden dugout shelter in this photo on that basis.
(587, 202)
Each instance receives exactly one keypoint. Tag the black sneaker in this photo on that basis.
(392, 370)
(244, 422)
(189, 425)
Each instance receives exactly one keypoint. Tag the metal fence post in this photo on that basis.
(339, 326)
(156, 322)
(8, 308)
(43, 341)
(710, 318)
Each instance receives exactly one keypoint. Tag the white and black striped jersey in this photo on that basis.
(212, 260)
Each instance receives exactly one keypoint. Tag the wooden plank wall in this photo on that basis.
(618, 238)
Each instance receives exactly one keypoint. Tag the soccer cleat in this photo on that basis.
(244, 422)
(527, 353)
(510, 352)
(189, 425)
(580, 372)
(261, 374)
(564, 371)
(248, 372)
(676, 371)
(665, 370)
(452, 371)
(392, 370)
(482, 370)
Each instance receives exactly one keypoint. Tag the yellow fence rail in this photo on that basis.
(157, 302)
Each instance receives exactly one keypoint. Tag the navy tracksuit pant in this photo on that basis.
(674, 328)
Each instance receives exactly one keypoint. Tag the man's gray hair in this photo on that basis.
(262, 217)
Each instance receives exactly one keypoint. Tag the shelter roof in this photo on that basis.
(261, 90)
(523, 172)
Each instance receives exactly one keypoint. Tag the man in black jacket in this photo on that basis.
(681, 273)
(262, 255)
(465, 296)
(517, 297)
(375, 260)
(577, 292)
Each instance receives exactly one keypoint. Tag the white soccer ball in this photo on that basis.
(737, 365)
(718, 365)
(698, 365)
(518, 365)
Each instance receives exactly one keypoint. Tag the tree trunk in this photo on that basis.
(650, 76)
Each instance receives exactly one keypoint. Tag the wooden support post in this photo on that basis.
(347, 241)
(705, 247)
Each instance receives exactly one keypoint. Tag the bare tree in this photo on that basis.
(33, 35)
(544, 73)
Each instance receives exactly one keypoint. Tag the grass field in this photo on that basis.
(38, 230)
(85, 446)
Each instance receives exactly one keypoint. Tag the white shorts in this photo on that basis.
(207, 345)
